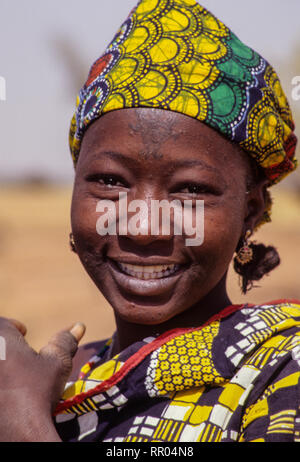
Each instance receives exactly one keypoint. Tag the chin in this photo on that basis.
(144, 319)
(143, 312)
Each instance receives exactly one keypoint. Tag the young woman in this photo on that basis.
(176, 110)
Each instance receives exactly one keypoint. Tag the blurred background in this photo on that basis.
(46, 50)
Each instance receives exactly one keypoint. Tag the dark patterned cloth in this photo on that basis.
(234, 379)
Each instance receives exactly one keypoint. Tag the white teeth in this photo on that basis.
(148, 272)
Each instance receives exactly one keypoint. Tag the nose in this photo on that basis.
(145, 222)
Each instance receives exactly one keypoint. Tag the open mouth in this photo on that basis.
(142, 280)
(148, 272)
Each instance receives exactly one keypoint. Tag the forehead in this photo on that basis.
(159, 136)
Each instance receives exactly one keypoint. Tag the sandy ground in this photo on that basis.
(43, 284)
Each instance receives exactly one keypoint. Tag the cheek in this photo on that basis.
(84, 218)
(90, 246)
(222, 230)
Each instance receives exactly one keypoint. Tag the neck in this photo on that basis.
(195, 316)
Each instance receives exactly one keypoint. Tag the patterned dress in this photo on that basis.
(234, 379)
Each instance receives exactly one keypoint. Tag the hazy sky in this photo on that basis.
(41, 85)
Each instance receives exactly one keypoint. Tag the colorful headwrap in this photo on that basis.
(175, 55)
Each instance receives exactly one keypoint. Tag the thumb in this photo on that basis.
(58, 354)
(62, 347)
(78, 331)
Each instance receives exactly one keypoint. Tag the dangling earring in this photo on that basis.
(245, 254)
(72, 242)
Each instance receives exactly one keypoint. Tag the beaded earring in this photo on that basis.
(72, 242)
(245, 254)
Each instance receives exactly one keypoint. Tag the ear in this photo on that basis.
(256, 200)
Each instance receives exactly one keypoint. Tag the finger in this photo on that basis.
(19, 325)
(10, 325)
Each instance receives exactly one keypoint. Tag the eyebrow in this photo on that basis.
(115, 156)
(177, 164)
(194, 163)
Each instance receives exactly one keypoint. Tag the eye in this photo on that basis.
(194, 189)
(197, 189)
(108, 180)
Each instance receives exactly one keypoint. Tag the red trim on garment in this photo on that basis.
(139, 356)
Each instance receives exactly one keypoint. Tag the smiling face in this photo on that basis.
(153, 154)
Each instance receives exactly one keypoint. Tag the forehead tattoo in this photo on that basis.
(154, 132)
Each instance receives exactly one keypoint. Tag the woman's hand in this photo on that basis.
(32, 383)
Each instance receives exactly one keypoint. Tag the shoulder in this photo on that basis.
(279, 302)
(283, 301)
(83, 355)
(290, 307)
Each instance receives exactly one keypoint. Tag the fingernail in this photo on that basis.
(78, 330)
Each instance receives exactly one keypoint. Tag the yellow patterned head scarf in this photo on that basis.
(175, 55)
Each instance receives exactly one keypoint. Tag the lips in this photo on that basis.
(146, 280)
